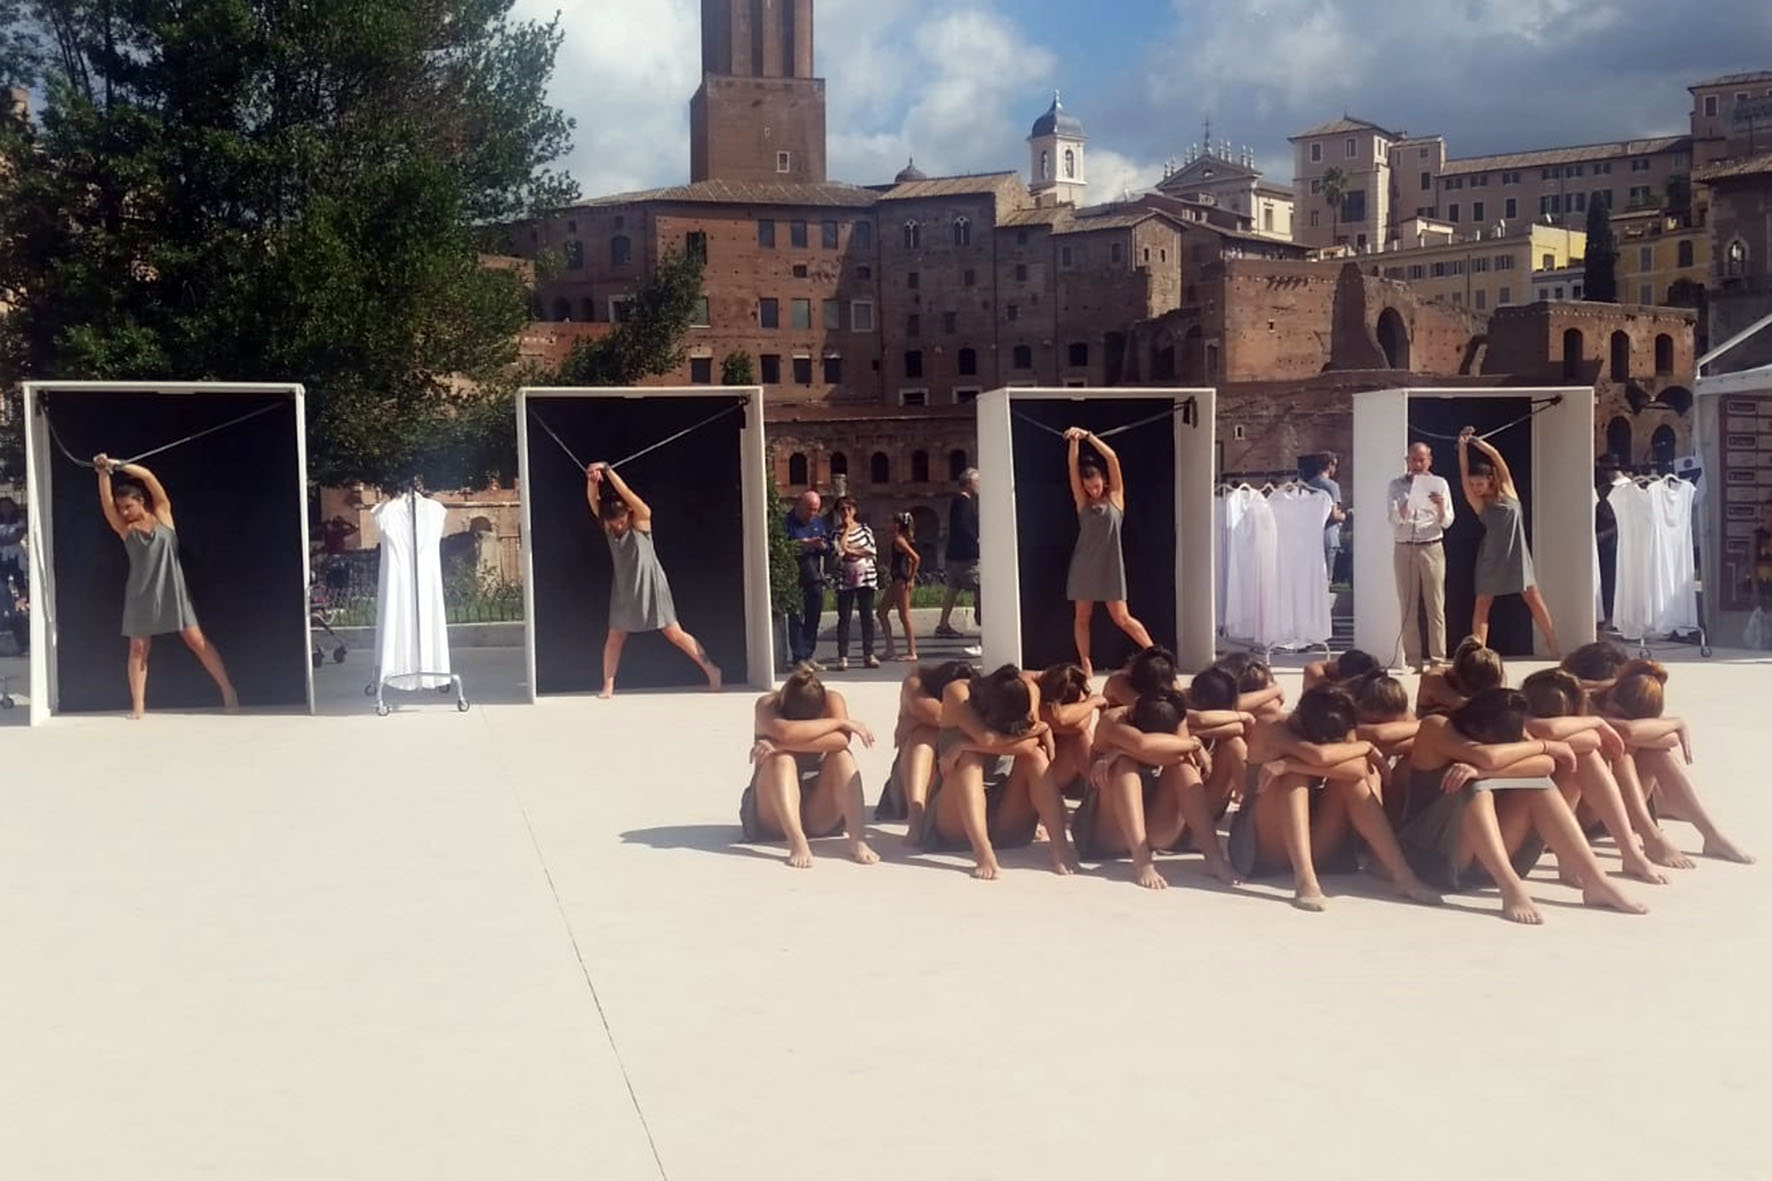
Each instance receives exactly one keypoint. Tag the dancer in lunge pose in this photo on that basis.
(155, 601)
(806, 784)
(640, 595)
(1098, 567)
(1504, 564)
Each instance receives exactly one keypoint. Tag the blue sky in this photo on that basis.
(957, 84)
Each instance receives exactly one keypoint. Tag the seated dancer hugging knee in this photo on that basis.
(1660, 749)
(1474, 668)
(993, 790)
(1216, 714)
(640, 594)
(1350, 665)
(1070, 707)
(1309, 782)
(1381, 704)
(1482, 807)
(1257, 691)
(1557, 709)
(915, 737)
(1146, 788)
(805, 784)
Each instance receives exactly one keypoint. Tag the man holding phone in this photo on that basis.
(1420, 514)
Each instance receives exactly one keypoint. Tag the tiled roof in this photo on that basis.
(1759, 165)
(947, 186)
(1345, 123)
(1045, 215)
(1548, 156)
(1119, 220)
(1734, 79)
(724, 192)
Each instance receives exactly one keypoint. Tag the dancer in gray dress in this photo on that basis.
(1098, 568)
(1504, 564)
(155, 602)
(640, 595)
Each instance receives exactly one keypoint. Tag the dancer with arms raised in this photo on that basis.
(1098, 567)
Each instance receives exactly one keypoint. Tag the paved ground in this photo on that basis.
(347, 947)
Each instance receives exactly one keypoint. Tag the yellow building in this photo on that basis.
(1483, 269)
(1657, 251)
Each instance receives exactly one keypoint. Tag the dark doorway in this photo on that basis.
(1510, 624)
(1393, 338)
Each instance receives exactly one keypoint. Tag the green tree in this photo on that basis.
(1600, 282)
(649, 341)
(261, 190)
(736, 369)
(784, 558)
(1334, 193)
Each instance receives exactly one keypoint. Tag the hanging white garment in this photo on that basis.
(411, 627)
(1599, 592)
(1301, 578)
(1251, 592)
(1218, 571)
(1677, 609)
(1633, 595)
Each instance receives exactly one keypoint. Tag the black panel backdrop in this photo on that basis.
(1510, 624)
(695, 488)
(1046, 519)
(236, 499)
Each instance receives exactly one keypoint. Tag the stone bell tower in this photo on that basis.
(759, 113)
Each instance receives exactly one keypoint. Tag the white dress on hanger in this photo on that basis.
(1633, 596)
(1218, 571)
(1251, 593)
(411, 628)
(1677, 608)
(1599, 591)
(1302, 579)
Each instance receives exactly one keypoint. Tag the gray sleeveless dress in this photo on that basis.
(1098, 568)
(1504, 564)
(155, 601)
(640, 597)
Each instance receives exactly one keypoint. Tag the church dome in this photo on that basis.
(909, 173)
(1057, 121)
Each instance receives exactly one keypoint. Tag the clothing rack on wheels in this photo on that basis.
(419, 678)
(1662, 556)
(1264, 599)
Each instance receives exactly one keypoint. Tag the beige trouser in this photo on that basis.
(1421, 578)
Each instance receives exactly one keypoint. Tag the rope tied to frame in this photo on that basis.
(1539, 406)
(1187, 408)
(149, 454)
(627, 459)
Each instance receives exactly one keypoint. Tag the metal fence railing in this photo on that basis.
(345, 587)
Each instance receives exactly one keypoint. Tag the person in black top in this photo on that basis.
(962, 556)
(905, 562)
(1606, 533)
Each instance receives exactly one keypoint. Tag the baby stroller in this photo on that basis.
(320, 612)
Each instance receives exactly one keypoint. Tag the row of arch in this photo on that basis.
(1575, 344)
(1621, 443)
(621, 252)
(961, 231)
(879, 467)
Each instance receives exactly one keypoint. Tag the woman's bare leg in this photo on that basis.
(691, 647)
(1364, 812)
(1658, 847)
(1128, 623)
(211, 660)
(1557, 825)
(916, 771)
(1123, 797)
(961, 809)
(1594, 786)
(1198, 807)
(1283, 829)
(611, 661)
(1480, 618)
(904, 619)
(139, 647)
(884, 614)
(1033, 773)
(1482, 838)
(1541, 616)
(1081, 618)
(839, 792)
(777, 783)
(1669, 775)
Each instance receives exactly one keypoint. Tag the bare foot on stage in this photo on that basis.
(987, 870)
(1148, 877)
(1602, 893)
(1640, 868)
(1662, 851)
(1518, 908)
(1064, 860)
(608, 691)
(913, 828)
(1418, 891)
(716, 679)
(230, 702)
(861, 854)
(135, 715)
(1311, 902)
(1725, 849)
(1221, 869)
(800, 856)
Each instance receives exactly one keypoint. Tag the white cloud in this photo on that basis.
(1112, 175)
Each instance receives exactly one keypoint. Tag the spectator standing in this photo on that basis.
(962, 554)
(810, 534)
(1325, 466)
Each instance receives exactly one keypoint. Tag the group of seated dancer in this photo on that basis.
(1467, 789)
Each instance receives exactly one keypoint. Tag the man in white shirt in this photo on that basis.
(1420, 514)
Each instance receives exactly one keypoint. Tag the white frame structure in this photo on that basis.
(1195, 464)
(1724, 627)
(754, 466)
(1562, 509)
(40, 486)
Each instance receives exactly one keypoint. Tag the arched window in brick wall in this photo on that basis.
(919, 467)
(575, 255)
(913, 235)
(956, 464)
(1664, 355)
(621, 250)
(880, 468)
(1661, 448)
(1620, 444)
(1573, 346)
(839, 464)
(1620, 356)
(562, 309)
(799, 473)
(962, 232)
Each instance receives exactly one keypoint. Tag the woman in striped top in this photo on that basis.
(857, 578)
